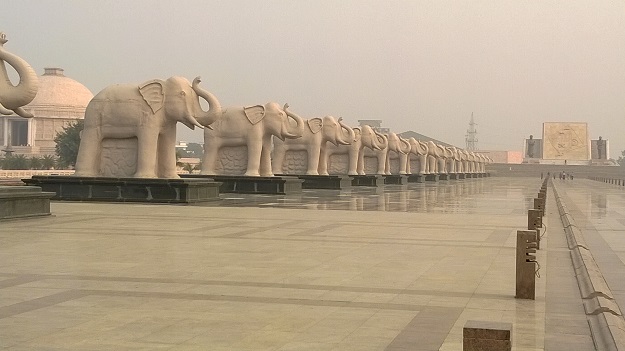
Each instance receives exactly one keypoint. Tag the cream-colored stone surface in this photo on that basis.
(565, 141)
(405, 274)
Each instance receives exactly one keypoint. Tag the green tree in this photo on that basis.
(67, 143)
(194, 150)
(48, 162)
(16, 162)
(35, 162)
(189, 168)
(621, 159)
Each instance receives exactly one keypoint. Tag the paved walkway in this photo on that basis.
(401, 268)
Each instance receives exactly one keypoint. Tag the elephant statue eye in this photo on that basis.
(183, 93)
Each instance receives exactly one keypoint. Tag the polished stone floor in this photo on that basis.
(395, 268)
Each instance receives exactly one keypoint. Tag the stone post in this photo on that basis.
(535, 222)
(526, 264)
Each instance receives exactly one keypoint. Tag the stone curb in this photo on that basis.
(605, 318)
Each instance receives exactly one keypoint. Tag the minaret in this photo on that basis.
(471, 137)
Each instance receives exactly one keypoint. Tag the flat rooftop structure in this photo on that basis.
(389, 268)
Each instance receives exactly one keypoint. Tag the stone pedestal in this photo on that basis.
(526, 264)
(156, 190)
(395, 179)
(337, 182)
(461, 175)
(416, 178)
(24, 201)
(453, 176)
(431, 178)
(283, 185)
(443, 176)
(486, 336)
(367, 180)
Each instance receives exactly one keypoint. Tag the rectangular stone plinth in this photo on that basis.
(336, 182)
(431, 178)
(156, 190)
(416, 178)
(367, 180)
(281, 185)
(396, 179)
(486, 336)
(453, 176)
(24, 201)
(443, 176)
(461, 175)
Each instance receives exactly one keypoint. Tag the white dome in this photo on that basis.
(59, 96)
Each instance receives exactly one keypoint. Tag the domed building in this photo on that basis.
(59, 101)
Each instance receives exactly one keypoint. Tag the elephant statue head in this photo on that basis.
(12, 98)
(368, 137)
(418, 148)
(180, 101)
(332, 130)
(398, 144)
(276, 120)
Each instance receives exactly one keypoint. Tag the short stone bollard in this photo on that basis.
(526, 264)
(535, 222)
(539, 204)
(486, 336)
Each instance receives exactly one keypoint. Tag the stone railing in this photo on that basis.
(18, 174)
(620, 181)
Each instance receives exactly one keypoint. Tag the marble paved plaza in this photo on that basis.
(397, 268)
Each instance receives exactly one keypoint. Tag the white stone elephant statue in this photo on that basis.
(452, 159)
(317, 133)
(365, 137)
(148, 112)
(398, 150)
(419, 151)
(253, 127)
(434, 154)
(376, 157)
(12, 98)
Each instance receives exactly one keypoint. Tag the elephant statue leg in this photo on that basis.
(211, 150)
(88, 160)
(313, 161)
(147, 143)
(360, 168)
(407, 166)
(353, 162)
(254, 151)
(323, 161)
(264, 168)
(277, 161)
(166, 154)
(403, 164)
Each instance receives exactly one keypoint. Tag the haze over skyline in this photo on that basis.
(417, 65)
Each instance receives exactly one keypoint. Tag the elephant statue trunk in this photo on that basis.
(404, 146)
(380, 141)
(14, 97)
(343, 138)
(204, 118)
(288, 131)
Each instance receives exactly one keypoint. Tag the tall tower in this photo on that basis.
(471, 137)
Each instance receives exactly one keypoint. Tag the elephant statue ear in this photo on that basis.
(152, 92)
(315, 124)
(254, 113)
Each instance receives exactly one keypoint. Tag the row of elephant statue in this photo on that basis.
(130, 130)
(258, 140)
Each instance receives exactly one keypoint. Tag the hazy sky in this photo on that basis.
(416, 65)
